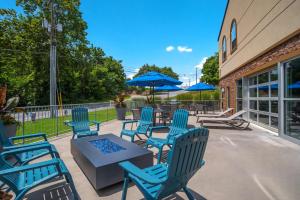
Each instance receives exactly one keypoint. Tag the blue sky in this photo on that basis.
(140, 31)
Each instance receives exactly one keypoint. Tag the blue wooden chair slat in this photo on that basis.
(185, 159)
(25, 157)
(145, 122)
(21, 179)
(178, 126)
(81, 124)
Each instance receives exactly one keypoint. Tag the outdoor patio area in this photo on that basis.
(249, 164)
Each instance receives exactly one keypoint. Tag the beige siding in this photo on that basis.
(260, 25)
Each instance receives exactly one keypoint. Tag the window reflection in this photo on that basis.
(292, 79)
(264, 106)
(253, 104)
(263, 119)
(263, 91)
(292, 103)
(263, 78)
(274, 106)
(253, 81)
(292, 118)
(253, 92)
(274, 122)
(253, 116)
(274, 90)
(274, 75)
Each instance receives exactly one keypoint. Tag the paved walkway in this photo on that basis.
(240, 165)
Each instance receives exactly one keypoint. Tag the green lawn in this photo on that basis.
(56, 126)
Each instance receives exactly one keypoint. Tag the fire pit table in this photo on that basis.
(98, 158)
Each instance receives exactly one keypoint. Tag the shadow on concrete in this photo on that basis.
(108, 191)
(177, 197)
(60, 190)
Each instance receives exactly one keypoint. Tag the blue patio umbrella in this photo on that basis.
(295, 85)
(153, 79)
(201, 87)
(168, 88)
(266, 87)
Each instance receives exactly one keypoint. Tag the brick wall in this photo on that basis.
(284, 51)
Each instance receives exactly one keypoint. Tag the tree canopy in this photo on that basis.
(84, 72)
(210, 71)
(164, 70)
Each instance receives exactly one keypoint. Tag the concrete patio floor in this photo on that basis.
(249, 164)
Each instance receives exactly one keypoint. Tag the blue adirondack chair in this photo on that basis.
(25, 157)
(21, 179)
(81, 124)
(162, 180)
(145, 122)
(178, 126)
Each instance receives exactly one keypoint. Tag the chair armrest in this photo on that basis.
(132, 169)
(95, 122)
(36, 135)
(156, 128)
(128, 122)
(23, 168)
(26, 149)
(24, 145)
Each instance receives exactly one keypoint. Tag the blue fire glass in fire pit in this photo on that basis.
(106, 146)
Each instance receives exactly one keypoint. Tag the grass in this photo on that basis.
(56, 126)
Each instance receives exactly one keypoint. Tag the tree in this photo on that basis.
(164, 70)
(84, 72)
(210, 71)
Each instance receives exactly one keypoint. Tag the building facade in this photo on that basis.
(259, 52)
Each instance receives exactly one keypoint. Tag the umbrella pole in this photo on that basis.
(168, 95)
(153, 94)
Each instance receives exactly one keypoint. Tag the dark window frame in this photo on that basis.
(224, 53)
(233, 47)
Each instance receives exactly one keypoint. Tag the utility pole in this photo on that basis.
(53, 85)
(52, 28)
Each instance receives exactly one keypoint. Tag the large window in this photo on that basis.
(263, 98)
(224, 49)
(292, 98)
(233, 36)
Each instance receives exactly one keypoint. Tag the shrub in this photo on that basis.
(205, 95)
(185, 97)
(216, 95)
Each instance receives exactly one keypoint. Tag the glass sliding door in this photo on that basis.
(291, 98)
(263, 99)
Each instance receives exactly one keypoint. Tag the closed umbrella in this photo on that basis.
(168, 88)
(153, 79)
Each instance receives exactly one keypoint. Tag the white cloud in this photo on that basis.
(200, 65)
(170, 48)
(131, 75)
(183, 49)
